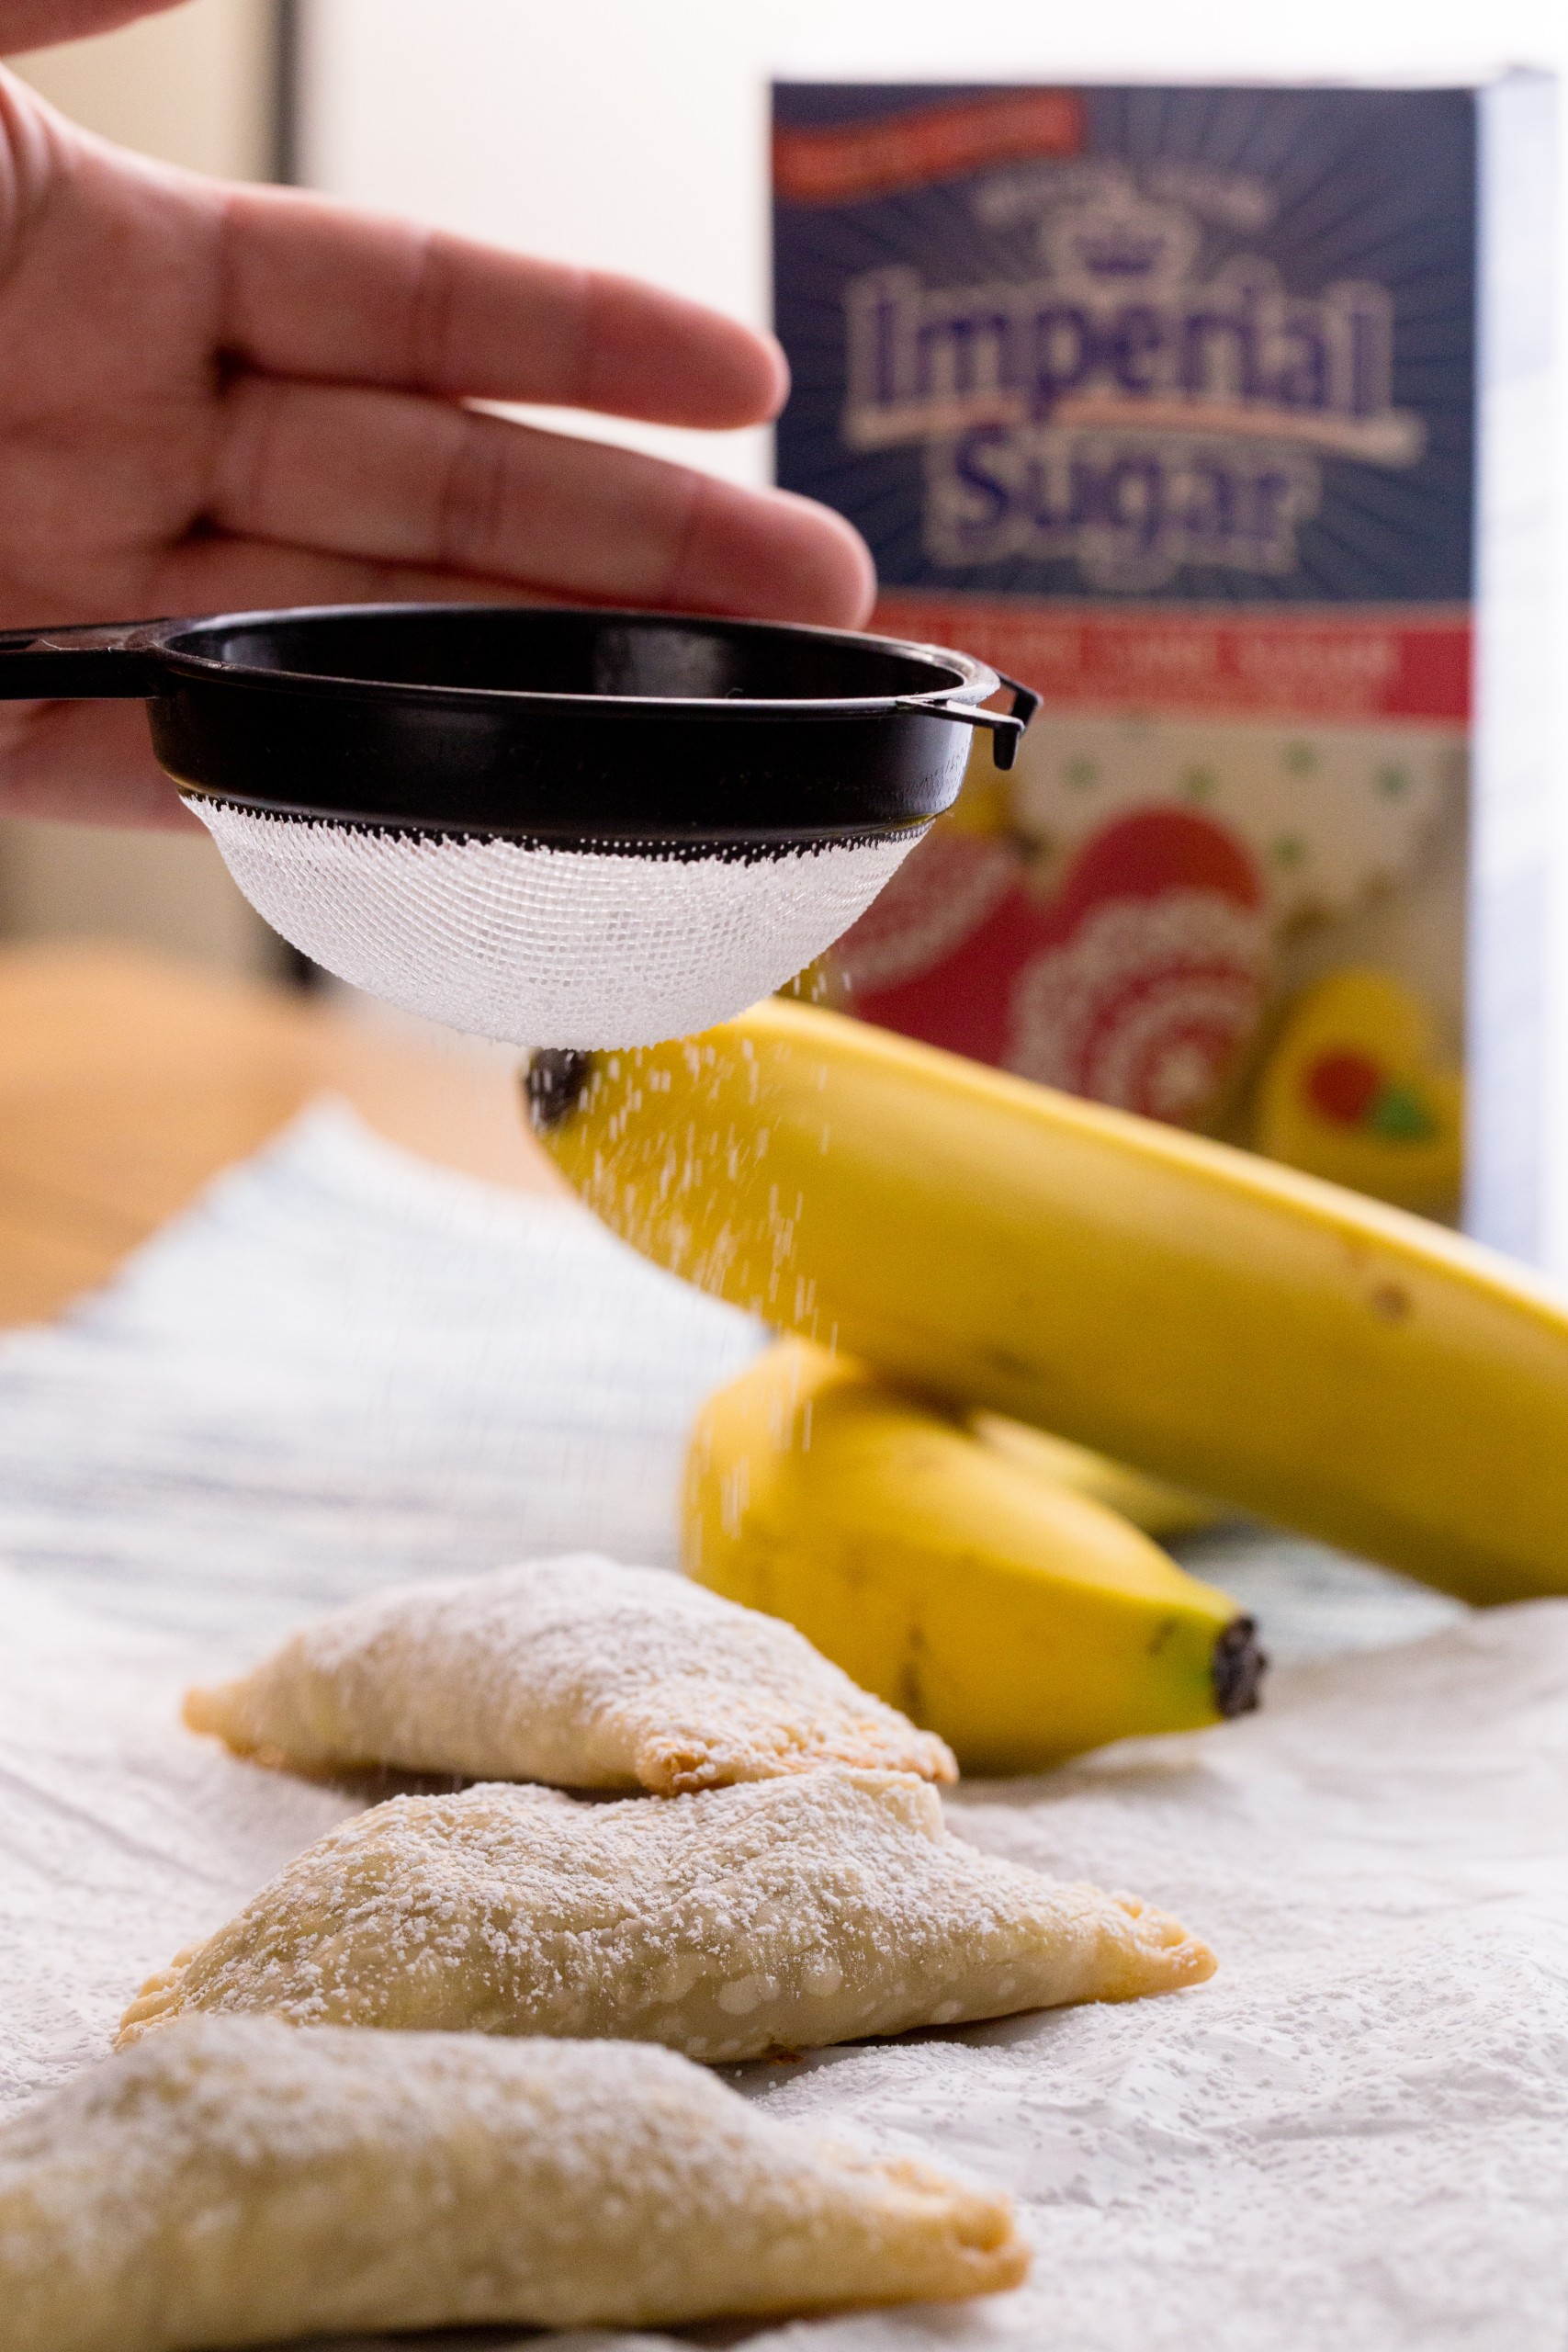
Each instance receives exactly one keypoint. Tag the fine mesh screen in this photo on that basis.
(547, 946)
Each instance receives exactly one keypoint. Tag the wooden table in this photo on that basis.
(127, 1082)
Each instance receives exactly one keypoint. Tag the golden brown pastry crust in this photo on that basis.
(238, 2180)
(783, 1913)
(573, 1671)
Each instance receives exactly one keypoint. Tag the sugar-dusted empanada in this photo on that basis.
(775, 1916)
(573, 1671)
(236, 2182)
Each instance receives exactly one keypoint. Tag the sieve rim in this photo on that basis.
(508, 720)
(969, 681)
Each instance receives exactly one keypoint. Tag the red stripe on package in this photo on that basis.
(1409, 663)
(841, 162)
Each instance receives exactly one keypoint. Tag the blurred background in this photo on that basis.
(613, 133)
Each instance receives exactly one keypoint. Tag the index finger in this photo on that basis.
(315, 289)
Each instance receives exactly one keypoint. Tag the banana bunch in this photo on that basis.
(1245, 1330)
(961, 1580)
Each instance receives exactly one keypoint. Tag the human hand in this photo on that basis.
(34, 24)
(216, 398)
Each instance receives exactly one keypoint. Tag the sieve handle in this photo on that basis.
(1006, 727)
(94, 665)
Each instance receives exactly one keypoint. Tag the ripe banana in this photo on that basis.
(1246, 1330)
(1022, 1621)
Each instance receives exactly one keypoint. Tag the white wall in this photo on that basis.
(632, 133)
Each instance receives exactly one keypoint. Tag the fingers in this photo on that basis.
(212, 574)
(38, 24)
(318, 290)
(92, 762)
(387, 479)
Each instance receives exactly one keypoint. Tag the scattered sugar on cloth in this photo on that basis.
(326, 1377)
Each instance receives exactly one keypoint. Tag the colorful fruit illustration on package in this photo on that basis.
(1150, 971)
(1356, 1090)
(920, 959)
(1140, 981)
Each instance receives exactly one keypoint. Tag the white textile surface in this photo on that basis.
(342, 1368)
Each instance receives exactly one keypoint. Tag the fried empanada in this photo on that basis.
(237, 2181)
(573, 1671)
(775, 1916)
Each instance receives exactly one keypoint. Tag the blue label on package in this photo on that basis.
(1200, 346)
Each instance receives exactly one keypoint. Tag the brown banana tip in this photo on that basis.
(554, 1083)
(1238, 1668)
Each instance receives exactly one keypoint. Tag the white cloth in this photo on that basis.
(342, 1368)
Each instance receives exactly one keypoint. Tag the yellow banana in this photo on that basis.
(1161, 1509)
(1240, 1327)
(1022, 1621)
